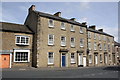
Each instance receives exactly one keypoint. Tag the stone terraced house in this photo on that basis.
(15, 45)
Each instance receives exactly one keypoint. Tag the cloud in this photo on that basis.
(110, 30)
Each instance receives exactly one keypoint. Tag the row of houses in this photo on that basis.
(47, 40)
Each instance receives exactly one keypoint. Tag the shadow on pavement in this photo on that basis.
(112, 68)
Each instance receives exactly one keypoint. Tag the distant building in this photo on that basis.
(16, 45)
(117, 52)
(100, 46)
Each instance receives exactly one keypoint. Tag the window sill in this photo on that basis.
(81, 46)
(63, 29)
(51, 26)
(21, 62)
(63, 45)
(51, 45)
(73, 62)
(90, 62)
(50, 64)
(72, 30)
(81, 33)
(19, 44)
(72, 46)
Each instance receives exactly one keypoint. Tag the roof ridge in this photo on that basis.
(13, 23)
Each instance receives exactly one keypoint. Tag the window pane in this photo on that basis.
(27, 40)
(51, 40)
(50, 57)
(62, 25)
(63, 41)
(18, 39)
(22, 39)
(51, 22)
(21, 56)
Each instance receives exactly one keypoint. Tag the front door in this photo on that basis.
(84, 61)
(96, 59)
(80, 61)
(5, 61)
(106, 58)
(63, 60)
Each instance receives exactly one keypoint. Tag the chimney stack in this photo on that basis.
(93, 27)
(84, 23)
(32, 8)
(73, 19)
(100, 30)
(58, 14)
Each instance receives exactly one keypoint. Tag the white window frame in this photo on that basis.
(82, 45)
(95, 46)
(95, 36)
(81, 30)
(72, 59)
(63, 43)
(100, 46)
(20, 42)
(90, 59)
(49, 59)
(51, 26)
(89, 45)
(89, 34)
(99, 37)
(50, 42)
(105, 46)
(72, 43)
(72, 29)
(109, 47)
(63, 26)
(22, 51)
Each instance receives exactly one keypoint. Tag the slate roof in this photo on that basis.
(96, 31)
(12, 27)
(117, 44)
(59, 18)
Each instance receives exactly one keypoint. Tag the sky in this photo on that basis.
(102, 14)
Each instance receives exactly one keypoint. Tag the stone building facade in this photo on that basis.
(47, 40)
(16, 45)
(100, 46)
(58, 42)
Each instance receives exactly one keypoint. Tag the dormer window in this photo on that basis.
(63, 25)
(72, 28)
(22, 40)
(51, 23)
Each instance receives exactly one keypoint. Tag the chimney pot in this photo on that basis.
(84, 23)
(93, 27)
(58, 14)
(73, 19)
